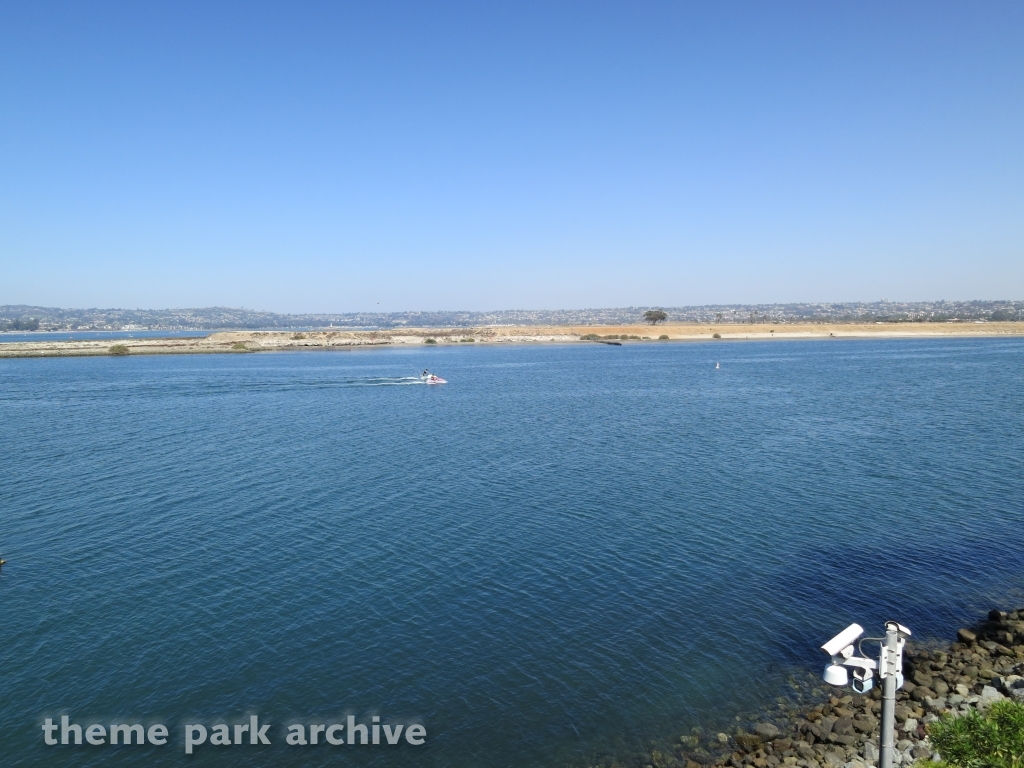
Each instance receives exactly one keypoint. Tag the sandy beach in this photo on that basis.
(240, 342)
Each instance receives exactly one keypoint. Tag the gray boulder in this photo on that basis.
(843, 727)
(989, 696)
(871, 753)
(865, 724)
(922, 693)
(847, 740)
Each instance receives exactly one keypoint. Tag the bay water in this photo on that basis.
(562, 556)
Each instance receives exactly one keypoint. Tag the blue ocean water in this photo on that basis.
(565, 553)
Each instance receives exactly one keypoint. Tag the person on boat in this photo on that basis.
(431, 378)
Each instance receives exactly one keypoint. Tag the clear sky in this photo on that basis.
(302, 156)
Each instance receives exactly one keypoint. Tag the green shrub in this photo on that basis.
(612, 336)
(298, 336)
(239, 346)
(663, 337)
(992, 740)
(590, 337)
(431, 341)
(716, 335)
(118, 349)
(635, 338)
(464, 340)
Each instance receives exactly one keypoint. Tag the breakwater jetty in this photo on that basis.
(984, 665)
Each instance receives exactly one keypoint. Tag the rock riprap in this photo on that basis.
(984, 665)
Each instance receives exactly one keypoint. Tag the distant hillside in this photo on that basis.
(24, 317)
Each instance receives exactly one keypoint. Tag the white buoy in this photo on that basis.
(717, 366)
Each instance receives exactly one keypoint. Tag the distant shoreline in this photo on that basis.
(241, 342)
(26, 316)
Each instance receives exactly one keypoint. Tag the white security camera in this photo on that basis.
(904, 632)
(848, 658)
(863, 680)
(836, 674)
(842, 644)
(840, 648)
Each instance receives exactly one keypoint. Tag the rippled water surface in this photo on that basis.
(565, 552)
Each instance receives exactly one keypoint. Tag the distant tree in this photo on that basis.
(119, 349)
(23, 325)
(654, 316)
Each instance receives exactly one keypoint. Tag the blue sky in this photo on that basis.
(358, 156)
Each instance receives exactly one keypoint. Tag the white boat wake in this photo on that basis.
(393, 381)
(384, 381)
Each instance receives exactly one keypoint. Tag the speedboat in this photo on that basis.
(428, 378)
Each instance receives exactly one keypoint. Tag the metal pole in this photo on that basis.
(887, 668)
